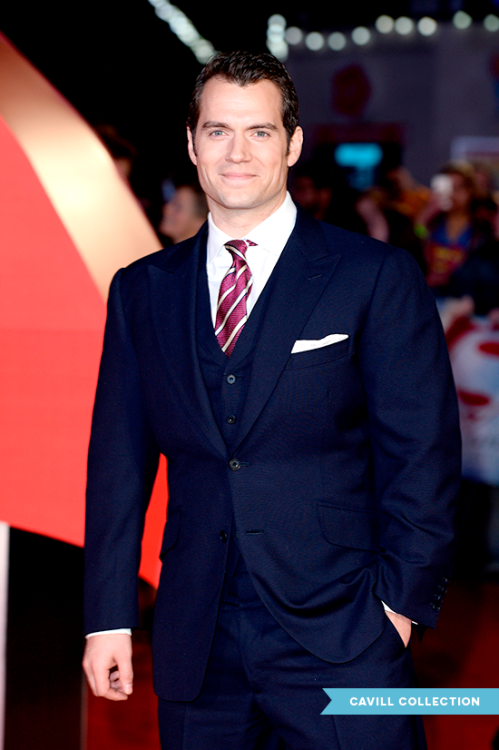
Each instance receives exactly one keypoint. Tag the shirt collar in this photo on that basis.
(272, 234)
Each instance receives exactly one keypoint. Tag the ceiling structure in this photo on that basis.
(118, 63)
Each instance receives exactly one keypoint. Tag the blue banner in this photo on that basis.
(412, 701)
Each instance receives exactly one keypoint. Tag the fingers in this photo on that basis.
(108, 665)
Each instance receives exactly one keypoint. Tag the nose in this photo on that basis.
(238, 150)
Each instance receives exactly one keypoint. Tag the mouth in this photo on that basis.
(237, 176)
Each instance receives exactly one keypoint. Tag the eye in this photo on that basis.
(217, 133)
(261, 134)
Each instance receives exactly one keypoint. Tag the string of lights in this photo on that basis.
(184, 29)
(280, 36)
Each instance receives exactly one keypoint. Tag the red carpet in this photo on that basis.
(462, 652)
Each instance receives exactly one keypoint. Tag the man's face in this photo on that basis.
(241, 150)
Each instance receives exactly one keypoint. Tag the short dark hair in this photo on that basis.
(245, 68)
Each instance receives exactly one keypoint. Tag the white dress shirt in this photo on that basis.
(270, 238)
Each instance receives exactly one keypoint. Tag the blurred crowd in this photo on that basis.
(450, 228)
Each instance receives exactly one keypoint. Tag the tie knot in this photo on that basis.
(237, 248)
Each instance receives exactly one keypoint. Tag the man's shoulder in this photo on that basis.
(167, 259)
(358, 249)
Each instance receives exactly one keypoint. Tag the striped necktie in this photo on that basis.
(235, 287)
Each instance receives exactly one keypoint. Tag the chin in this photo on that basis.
(237, 202)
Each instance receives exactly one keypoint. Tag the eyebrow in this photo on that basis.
(263, 126)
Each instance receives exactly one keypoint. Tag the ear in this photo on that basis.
(295, 146)
(190, 147)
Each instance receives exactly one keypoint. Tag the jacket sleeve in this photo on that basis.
(414, 424)
(122, 465)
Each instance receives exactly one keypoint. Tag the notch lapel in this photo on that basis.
(173, 304)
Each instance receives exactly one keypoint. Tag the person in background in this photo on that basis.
(123, 152)
(184, 215)
(484, 180)
(322, 189)
(453, 224)
(478, 277)
(403, 193)
(383, 221)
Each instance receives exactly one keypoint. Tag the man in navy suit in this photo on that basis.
(312, 466)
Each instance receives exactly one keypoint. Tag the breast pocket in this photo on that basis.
(319, 356)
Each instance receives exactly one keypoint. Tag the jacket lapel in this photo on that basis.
(299, 279)
(173, 302)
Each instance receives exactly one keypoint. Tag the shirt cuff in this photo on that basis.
(389, 609)
(116, 631)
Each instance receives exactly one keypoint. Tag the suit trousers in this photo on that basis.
(263, 691)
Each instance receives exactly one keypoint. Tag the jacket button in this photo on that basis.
(223, 536)
(234, 464)
(231, 379)
(231, 419)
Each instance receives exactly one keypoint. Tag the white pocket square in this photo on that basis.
(305, 345)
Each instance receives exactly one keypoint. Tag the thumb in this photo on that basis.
(126, 677)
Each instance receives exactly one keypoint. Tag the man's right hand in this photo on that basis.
(108, 665)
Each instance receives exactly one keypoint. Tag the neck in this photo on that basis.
(238, 223)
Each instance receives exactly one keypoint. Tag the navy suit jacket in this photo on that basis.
(346, 458)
